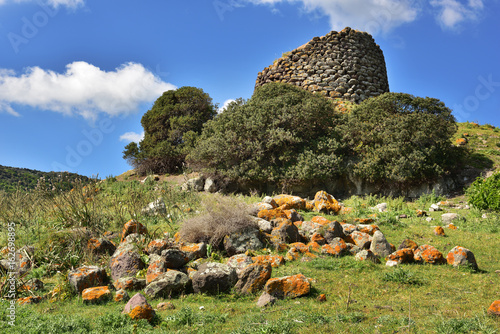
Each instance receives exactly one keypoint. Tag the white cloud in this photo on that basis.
(53, 3)
(451, 13)
(83, 89)
(224, 106)
(132, 137)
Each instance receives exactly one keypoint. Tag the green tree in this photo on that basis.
(171, 128)
(400, 139)
(282, 134)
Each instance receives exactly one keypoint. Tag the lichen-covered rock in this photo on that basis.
(318, 238)
(29, 300)
(264, 225)
(274, 260)
(308, 228)
(272, 214)
(133, 226)
(439, 231)
(428, 254)
(314, 247)
(239, 262)
(174, 258)
(361, 239)
(407, 243)
(266, 299)
(326, 203)
(494, 308)
(130, 283)
(242, 241)
(138, 308)
(165, 306)
(286, 232)
(194, 184)
(34, 284)
(167, 284)
(157, 266)
(269, 200)
(460, 256)
(379, 245)
(336, 247)
(370, 229)
(194, 251)
(121, 296)
(125, 262)
(293, 254)
(87, 277)
(253, 278)
(96, 295)
(214, 278)
(293, 215)
(402, 256)
(101, 246)
(287, 202)
(367, 255)
(333, 231)
(349, 228)
(157, 246)
(300, 247)
(288, 287)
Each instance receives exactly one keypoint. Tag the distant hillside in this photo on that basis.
(12, 178)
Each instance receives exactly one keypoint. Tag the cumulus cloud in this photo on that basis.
(224, 106)
(83, 89)
(132, 137)
(451, 13)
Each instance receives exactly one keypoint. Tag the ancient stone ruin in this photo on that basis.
(347, 64)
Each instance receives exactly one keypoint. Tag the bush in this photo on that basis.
(484, 194)
(400, 139)
(283, 133)
(170, 130)
(222, 216)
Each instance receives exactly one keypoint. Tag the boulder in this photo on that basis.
(460, 256)
(132, 226)
(87, 277)
(240, 242)
(428, 254)
(165, 306)
(125, 262)
(96, 295)
(130, 283)
(121, 296)
(194, 184)
(494, 308)
(157, 266)
(170, 283)
(367, 255)
(253, 278)
(439, 231)
(308, 228)
(174, 258)
(194, 251)
(407, 243)
(266, 299)
(264, 225)
(287, 202)
(239, 262)
(361, 239)
(274, 260)
(157, 246)
(288, 286)
(379, 245)
(210, 185)
(326, 203)
(214, 278)
(286, 232)
(336, 247)
(402, 256)
(318, 238)
(334, 230)
(448, 218)
(139, 308)
(382, 207)
(101, 246)
(271, 201)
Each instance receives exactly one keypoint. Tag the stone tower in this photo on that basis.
(347, 64)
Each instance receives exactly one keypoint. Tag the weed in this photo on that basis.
(402, 276)
(465, 325)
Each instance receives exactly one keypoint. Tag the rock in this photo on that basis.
(240, 242)
(352, 248)
(361, 239)
(33, 284)
(96, 295)
(101, 246)
(367, 255)
(379, 245)
(391, 263)
(194, 184)
(239, 262)
(448, 218)
(286, 232)
(287, 202)
(318, 238)
(29, 300)
(349, 228)
(288, 286)
(272, 214)
(308, 228)
(369, 229)
(429, 219)
(155, 208)
(336, 247)
(262, 206)
(402, 256)
(439, 231)
(174, 258)
(382, 207)
(293, 215)
(460, 256)
(194, 251)
(326, 203)
(264, 225)
(210, 185)
(300, 247)
(170, 283)
(271, 201)
(293, 254)
(139, 308)
(87, 277)
(407, 243)
(132, 226)
(157, 266)
(435, 207)
(274, 260)
(253, 278)
(428, 254)
(157, 246)
(266, 299)
(334, 230)
(121, 296)
(214, 278)
(130, 283)
(494, 308)
(321, 298)
(165, 306)
(125, 262)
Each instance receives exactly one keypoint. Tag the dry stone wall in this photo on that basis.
(347, 64)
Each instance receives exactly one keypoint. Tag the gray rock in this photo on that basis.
(214, 278)
(448, 218)
(367, 255)
(286, 233)
(239, 262)
(157, 207)
(253, 278)
(87, 277)
(240, 242)
(195, 184)
(460, 256)
(130, 283)
(210, 185)
(147, 311)
(125, 262)
(334, 231)
(101, 246)
(174, 258)
(266, 299)
(379, 245)
(170, 283)
(264, 225)
(382, 207)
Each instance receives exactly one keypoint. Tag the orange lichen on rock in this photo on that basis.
(96, 295)
(271, 214)
(288, 287)
(274, 260)
(461, 141)
(421, 213)
(428, 254)
(318, 238)
(309, 206)
(451, 226)
(370, 229)
(402, 256)
(494, 308)
(314, 247)
(292, 254)
(142, 312)
(337, 249)
(287, 202)
(29, 300)
(300, 246)
(407, 243)
(320, 220)
(321, 298)
(460, 256)
(439, 231)
(133, 226)
(363, 220)
(324, 202)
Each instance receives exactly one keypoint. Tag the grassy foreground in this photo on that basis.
(362, 297)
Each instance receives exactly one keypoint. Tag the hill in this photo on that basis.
(12, 178)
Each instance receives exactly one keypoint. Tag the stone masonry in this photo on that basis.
(347, 64)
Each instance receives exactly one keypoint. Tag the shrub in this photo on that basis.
(222, 216)
(400, 139)
(283, 133)
(484, 194)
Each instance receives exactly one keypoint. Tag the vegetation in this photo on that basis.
(171, 127)
(484, 194)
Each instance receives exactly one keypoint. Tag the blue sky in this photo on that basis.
(76, 76)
